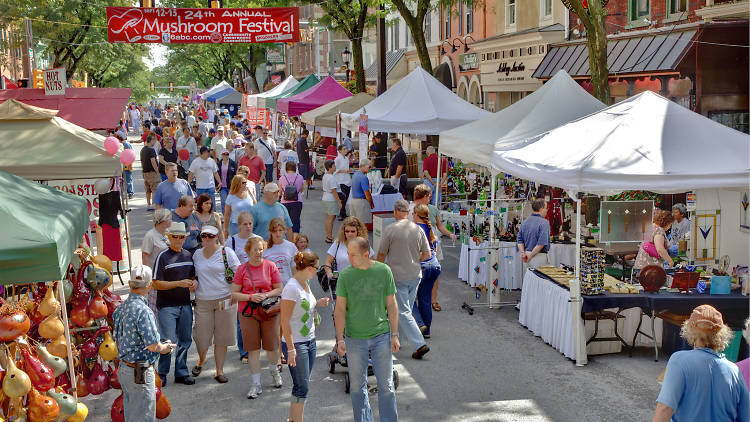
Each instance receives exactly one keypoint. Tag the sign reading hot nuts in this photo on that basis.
(184, 26)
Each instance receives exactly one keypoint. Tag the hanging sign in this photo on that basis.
(184, 26)
(275, 54)
(54, 81)
(467, 62)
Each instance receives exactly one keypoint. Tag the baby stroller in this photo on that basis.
(329, 286)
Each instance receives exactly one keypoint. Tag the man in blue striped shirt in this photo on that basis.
(533, 236)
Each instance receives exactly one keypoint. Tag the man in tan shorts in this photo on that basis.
(151, 178)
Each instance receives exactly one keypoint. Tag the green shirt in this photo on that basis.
(207, 142)
(365, 292)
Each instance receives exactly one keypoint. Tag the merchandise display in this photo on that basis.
(592, 271)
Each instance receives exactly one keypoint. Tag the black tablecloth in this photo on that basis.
(734, 307)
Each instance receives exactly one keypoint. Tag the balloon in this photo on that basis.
(101, 186)
(111, 144)
(184, 154)
(127, 157)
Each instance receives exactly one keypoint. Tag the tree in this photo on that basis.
(352, 18)
(593, 15)
(415, 23)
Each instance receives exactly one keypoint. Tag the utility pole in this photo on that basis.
(382, 86)
(29, 45)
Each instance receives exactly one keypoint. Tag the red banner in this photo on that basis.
(184, 26)
(258, 116)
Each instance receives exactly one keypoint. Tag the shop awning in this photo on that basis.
(89, 108)
(657, 51)
(391, 59)
(41, 228)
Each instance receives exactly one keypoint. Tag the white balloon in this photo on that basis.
(101, 186)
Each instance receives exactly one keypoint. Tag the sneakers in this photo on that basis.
(255, 391)
(184, 380)
(150, 208)
(276, 375)
(420, 352)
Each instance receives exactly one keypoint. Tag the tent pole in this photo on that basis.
(575, 296)
(63, 308)
(492, 230)
(438, 191)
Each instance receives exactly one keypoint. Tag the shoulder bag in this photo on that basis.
(325, 282)
(228, 273)
(264, 311)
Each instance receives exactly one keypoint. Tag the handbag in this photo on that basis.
(263, 311)
(325, 282)
(650, 249)
(228, 273)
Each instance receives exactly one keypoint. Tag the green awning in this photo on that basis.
(41, 228)
(310, 81)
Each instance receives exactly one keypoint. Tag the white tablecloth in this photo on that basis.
(474, 267)
(384, 202)
(562, 253)
(546, 312)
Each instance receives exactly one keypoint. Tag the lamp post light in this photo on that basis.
(269, 66)
(346, 57)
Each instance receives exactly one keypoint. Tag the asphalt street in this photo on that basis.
(482, 367)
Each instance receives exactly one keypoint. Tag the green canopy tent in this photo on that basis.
(41, 228)
(310, 81)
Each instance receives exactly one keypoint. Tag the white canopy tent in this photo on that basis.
(646, 142)
(418, 104)
(233, 98)
(557, 102)
(216, 88)
(285, 85)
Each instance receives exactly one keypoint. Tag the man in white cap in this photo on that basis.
(138, 347)
(174, 279)
(269, 208)
(218, 143)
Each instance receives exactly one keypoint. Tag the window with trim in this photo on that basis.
(428, 26)
(396, 40)
(639, 10)
(546, 9)
(470, 18)
(676, 8)
(510, 12)
(447, 19)
(460, 17)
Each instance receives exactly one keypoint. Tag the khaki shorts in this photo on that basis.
(254, 332)
(151, 180)
(214, 323)
(331, 207)
(360, 208)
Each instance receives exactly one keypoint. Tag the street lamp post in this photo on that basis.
(346, 57)
(269, 66)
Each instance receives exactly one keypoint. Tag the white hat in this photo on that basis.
(177, 228)
(140, 276)
(271, 187)
(210, 229)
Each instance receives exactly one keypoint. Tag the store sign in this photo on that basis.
(275, 54)
(468, 61)
(55, 81)
(161, 25)
(511, 72)
(83, 188)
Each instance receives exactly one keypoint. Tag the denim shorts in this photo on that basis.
(300, 373)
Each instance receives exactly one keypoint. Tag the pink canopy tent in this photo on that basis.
(322, 93)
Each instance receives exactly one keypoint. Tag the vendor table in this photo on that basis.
(545, 310)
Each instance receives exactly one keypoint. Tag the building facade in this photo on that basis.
(13, 58)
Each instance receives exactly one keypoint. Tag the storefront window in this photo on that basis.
(639, 9)
(677, 8)
(546, 9)
(738, 120)
(510, 12)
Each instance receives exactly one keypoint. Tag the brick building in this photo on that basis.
(13, 57)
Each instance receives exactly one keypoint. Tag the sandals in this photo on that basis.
(196, 370)
(221, 379)
(436, 307)
(329, 240)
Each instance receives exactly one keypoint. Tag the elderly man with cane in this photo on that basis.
(138, 346)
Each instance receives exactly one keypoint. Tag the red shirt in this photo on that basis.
(431, 163)
(146, 133)
(263, 277)
(256, 166)
(331, 153)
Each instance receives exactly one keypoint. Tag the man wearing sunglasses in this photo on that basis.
(174, 279)
(185, 213)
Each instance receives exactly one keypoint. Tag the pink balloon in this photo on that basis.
(111, 145)
(127, 157)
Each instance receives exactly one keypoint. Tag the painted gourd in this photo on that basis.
(98, 381)
(98, 278)
(79, 315)
(117, 413)
(68, 290)
(41, 407)
(81, 413)
(108, 348)
(52, 327)
(97, 307)
(58, 347)
(13, 325)
(41, 376)
(16, 383)
(56, 363)
(49, 304)
(65, 402)
(163, 409)
(114, 382)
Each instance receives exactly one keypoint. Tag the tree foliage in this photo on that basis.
(593, 17)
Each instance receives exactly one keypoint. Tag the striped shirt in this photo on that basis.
(173, 266)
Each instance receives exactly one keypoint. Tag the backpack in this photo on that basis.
(290, 190)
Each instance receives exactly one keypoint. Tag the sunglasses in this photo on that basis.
(177, 236)
(207, 236)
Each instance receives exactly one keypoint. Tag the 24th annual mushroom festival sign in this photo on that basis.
(161, 25)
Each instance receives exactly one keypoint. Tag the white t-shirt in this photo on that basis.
(211, 114)
(342, 256)
(282, 254)
(264, 152)
(329, 187)
(189, 143)
(210, 273)
(153, 243)
(342, 167)
(219, 144)
(204, 170)
(286, 156)
(302, 322)
(238, 244)
(190, 121)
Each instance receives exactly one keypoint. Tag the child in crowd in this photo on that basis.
(301, 241)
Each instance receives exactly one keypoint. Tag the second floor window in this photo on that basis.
(428, 26)
(546, 8)
(396, 40)
(470, 18)
(460, 17)
(510, 12)
(639, 9)
(447, 17)
(677, 7)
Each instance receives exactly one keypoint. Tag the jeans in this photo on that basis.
(358, 352)
(435, 194)
(422, 308)
(300, 373)
(344, 195)
(223, 193)
(295, 213)
(129, 182)
(138, 400)
(210, 193)
(673, 250)
(269, 172)
(240, 346)
(406, 293)
(163, 176)
(176, 324)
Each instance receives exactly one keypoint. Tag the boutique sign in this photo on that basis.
(183, 26)
(511, 72)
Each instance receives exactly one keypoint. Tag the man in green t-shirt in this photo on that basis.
(366, 310)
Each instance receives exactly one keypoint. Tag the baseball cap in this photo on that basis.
(226, 151)
(706, 318)
(401, 205)
(220, 128)
(212, 130)
(258, 127)
(207, 228)
(140, 276)
(271, 187)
